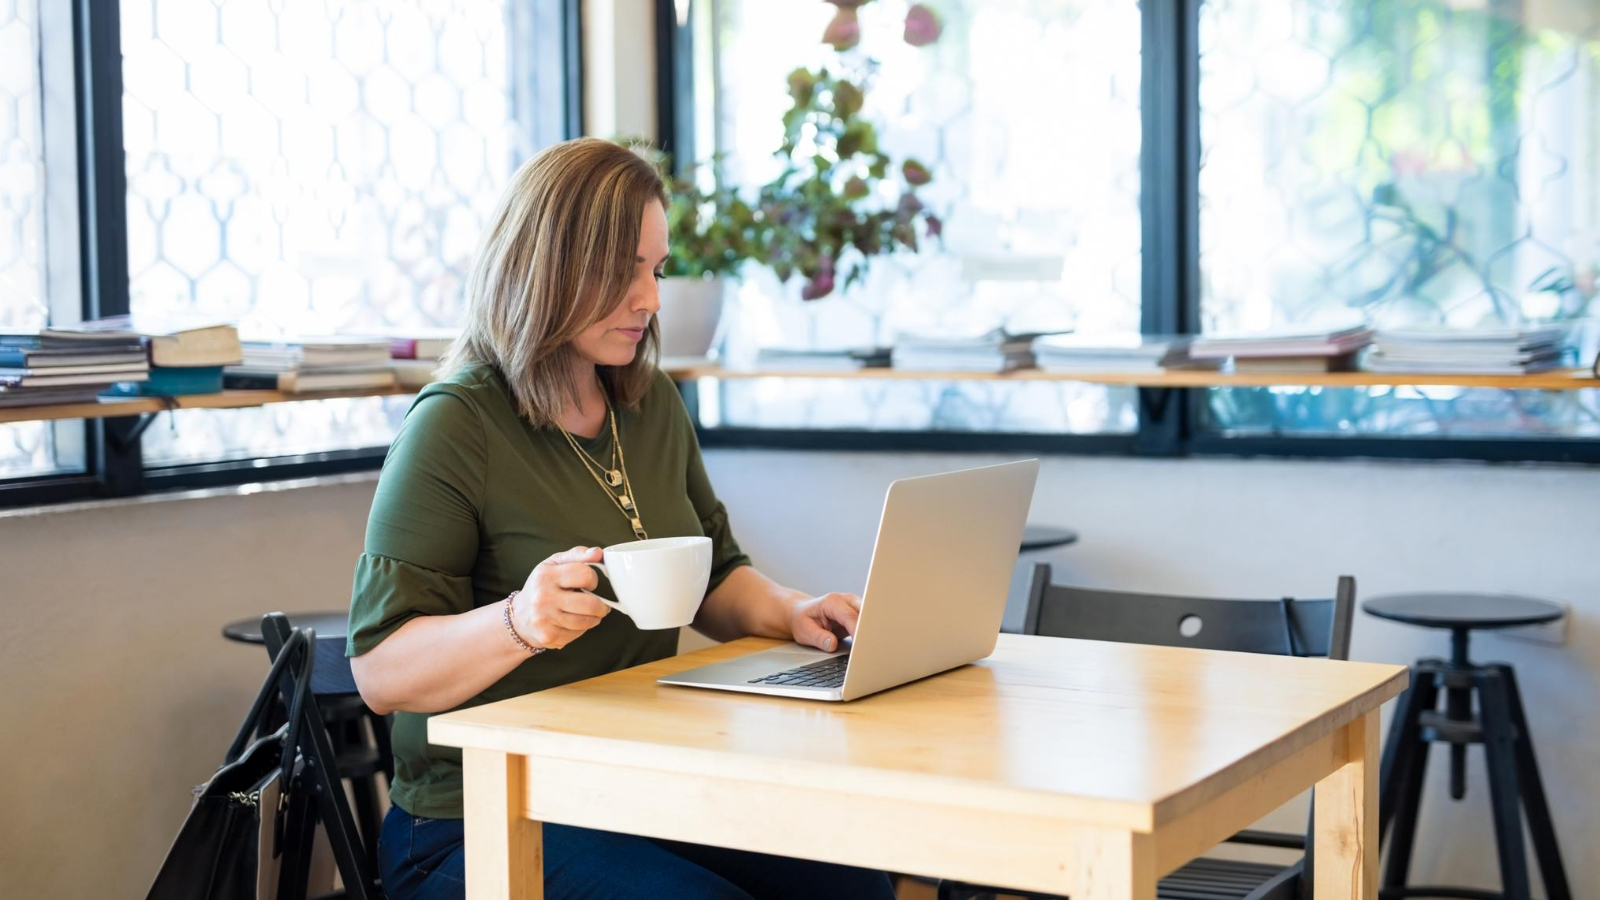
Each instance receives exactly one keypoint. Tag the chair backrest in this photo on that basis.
(1284, 626)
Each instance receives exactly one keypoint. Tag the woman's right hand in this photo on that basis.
(555, 606)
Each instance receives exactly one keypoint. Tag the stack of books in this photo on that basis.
(995, 351)
(414, 355)
(1115, 352)
(186, 357)
(67, 364)
(1497, 351)
(1290, 349)
(802, 359)
(308, 365)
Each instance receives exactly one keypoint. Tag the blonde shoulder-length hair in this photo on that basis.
(558, 256)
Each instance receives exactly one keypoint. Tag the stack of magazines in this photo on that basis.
(415, 354)
(1492, 351)
(1115, 352)
(994, 351)
(1302, 348)
(307, 365)
(806, 359)
(67, 364)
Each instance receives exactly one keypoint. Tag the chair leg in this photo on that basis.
(1540, 827)
(300, 830)
(1500, 750)
(1402, 744)
(1410, 771)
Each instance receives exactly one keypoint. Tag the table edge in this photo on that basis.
(1196, 795)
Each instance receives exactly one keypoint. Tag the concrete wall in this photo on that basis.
(119, 694)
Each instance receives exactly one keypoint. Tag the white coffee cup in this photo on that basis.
(659, 583)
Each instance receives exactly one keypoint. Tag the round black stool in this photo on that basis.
(1044, 537)
(360, 737)
(1514, 785)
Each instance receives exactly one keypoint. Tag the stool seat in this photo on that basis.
(1463, 611)
(1043, 537)
(327, 625)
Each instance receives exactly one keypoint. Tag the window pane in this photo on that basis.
(1416, 161)
(1041, 223)
(312, 166)
(26, 448)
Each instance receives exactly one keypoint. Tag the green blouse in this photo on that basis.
(472, 497)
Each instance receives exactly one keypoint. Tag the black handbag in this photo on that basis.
(230, 845)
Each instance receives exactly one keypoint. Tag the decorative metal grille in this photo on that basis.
(1416, 162)
(1027, 113)
(309, 166)
(26, 448)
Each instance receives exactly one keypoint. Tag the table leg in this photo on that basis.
(1346, 826)
(505, 851)
(1112, 865)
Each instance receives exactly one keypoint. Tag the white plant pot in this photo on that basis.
(690, 311)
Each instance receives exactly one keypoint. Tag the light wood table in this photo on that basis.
(1077, 767)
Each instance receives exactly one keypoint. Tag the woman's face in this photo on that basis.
(614, 340)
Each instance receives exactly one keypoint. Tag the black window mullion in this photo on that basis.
(113, 446)
(675, 86)
(1168, 203)
(572, 92)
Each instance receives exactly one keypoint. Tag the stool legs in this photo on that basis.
(1405, 763)
(1499, 750)
(1514, 784)
(1545, 846)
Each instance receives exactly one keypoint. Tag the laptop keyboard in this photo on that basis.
(827, 673)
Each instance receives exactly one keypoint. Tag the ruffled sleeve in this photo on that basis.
(423, 532)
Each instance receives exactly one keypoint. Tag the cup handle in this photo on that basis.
(601, 568)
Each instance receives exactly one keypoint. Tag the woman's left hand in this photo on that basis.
(823, 621)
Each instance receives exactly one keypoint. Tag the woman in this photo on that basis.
(553, 429)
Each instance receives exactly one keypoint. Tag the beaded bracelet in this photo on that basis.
(511, 629)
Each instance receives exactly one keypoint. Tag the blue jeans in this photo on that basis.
(421, 859)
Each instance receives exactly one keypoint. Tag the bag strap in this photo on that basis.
(297, 704)
(252, 719)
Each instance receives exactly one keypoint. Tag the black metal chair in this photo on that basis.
(1285, 627)
(360, 737)
(318, 796)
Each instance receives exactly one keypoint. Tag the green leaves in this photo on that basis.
(835, 204)
(828, 213)
(710, 230)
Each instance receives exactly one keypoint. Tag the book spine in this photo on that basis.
(14, 357)
(402, 348)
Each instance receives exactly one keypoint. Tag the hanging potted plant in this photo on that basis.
(840, 199)
(710, 230)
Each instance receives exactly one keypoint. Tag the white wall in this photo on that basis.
(119, 694)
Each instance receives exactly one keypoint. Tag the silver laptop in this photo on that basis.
(935, 592)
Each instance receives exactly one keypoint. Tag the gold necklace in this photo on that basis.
(625, 503)
(613, 474)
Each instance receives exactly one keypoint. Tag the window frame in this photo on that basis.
(1171, 421)
(91, 29)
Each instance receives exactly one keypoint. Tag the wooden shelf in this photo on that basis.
(1560, 380)
(133, 406)
(1564, 380)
